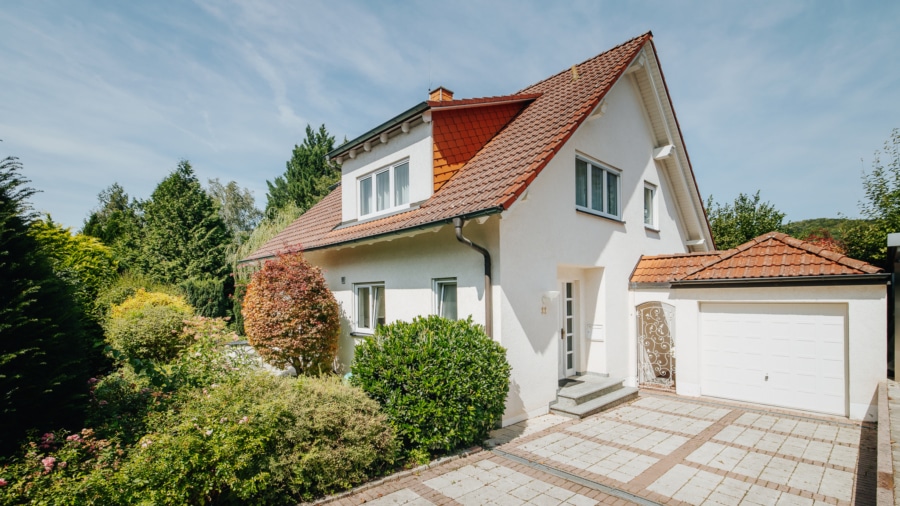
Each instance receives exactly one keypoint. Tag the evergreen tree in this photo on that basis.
(308, 176)
(237, 208)
(43, 371)
(117, 223)
(183, 236)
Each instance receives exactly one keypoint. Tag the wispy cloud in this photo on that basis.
(782, 96)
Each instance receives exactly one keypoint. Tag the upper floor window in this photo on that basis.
(650, 205)
(384, 190)
(597, 189)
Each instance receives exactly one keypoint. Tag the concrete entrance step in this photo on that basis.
(591, 395)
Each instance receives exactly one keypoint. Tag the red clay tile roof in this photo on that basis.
(772, 255)
(497, 174)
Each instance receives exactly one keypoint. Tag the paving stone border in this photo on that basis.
(885, 492)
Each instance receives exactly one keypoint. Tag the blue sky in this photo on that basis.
(788, 97)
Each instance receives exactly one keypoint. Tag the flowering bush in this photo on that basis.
(147, 325)
(442, 383)
(61, 468)
(261, 439)
(291, 317)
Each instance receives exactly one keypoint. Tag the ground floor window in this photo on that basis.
(369, 306)
(445, 298)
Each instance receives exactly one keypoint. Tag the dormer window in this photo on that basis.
(384, 190)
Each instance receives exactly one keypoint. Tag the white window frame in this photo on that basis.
(372, 306)
(651, 221)
(437, 285)
(392, 205)
(605, 169)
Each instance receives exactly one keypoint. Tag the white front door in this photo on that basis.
(567, 330)
(789, 354)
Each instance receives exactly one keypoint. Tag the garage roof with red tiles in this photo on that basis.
(497, 174)
(772, 255)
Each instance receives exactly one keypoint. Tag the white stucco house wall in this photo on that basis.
(527, 212)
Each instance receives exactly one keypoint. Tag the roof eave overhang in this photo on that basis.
(384, 235)
(823, 280)
(388, 125)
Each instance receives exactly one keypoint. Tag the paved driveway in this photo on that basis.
(659, 449)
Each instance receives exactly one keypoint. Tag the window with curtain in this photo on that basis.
(384, 190)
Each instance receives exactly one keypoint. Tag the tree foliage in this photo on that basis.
(290, 315)
(736, 223)
(184, 237)
(868, 240)
(237, 208)
(43, 370)
(116, 222)
(147, 326)
(308, 174)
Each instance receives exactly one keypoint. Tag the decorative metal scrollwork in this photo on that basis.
(656, 345)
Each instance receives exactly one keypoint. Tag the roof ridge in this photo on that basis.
(648, 34)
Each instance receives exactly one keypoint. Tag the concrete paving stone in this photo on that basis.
(770, 442)
(826, 432)
(786, 499)
(807, 477)
(747, 419)
(805, 429)
(778, 470)
(749, 438)
(729, 433)
(672, 481)
(752, 464)
(844, 456)
(402, 496)
(765, 422)
(692, 494)
(579, 500)
(848, 435)
(785, 425)
(706, 453)
(760, 496)
(524, 493)
(836, 483)
(728, 458)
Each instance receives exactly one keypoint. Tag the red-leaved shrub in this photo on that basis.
(290, 315)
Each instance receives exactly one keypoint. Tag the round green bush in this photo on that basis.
(147, 326)
(442, 383)
(262, 440)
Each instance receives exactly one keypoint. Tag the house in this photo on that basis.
(528, 212)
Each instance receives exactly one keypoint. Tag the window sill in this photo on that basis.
(599, 215)
(651, 228)
(362, 333)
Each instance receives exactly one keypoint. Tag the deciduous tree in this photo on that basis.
(736, 223)
(290, 315)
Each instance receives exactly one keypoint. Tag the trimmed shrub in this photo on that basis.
(123, 287)
(147, 326)
(209, 296)
(442, 383)
(291, 317)
(262, 439)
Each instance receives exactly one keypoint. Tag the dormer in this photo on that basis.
(402, 162)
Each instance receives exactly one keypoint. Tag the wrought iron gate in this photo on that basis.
(656, 345)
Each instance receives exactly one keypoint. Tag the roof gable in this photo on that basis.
(488, 172)
(772, 255)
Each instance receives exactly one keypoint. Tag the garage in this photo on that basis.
(786, 355)
(776, 322)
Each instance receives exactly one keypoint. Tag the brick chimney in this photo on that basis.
(440, 94)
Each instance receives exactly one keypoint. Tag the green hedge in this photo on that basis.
(442, 383)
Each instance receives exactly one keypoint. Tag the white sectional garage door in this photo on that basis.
(790, 355)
